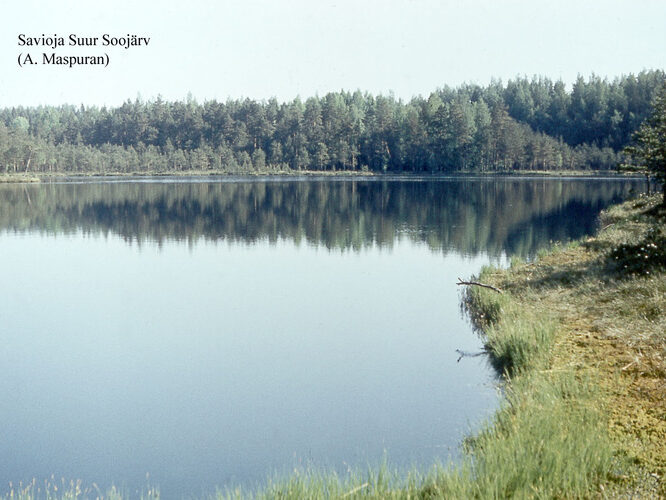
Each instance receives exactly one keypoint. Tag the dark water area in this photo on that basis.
(212, 332)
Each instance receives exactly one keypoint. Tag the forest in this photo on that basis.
(526, 124)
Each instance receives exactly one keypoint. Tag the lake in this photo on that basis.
(194, 333)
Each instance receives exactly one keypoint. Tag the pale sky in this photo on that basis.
(284, 48)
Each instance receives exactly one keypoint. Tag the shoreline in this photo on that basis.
(606, 296)
(22, 177)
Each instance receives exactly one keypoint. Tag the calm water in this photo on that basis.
(210, 333)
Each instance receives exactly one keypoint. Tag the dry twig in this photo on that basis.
(476, 283)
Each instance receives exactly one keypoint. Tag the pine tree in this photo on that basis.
(648, 153)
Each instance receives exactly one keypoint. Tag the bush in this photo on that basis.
(642, 258)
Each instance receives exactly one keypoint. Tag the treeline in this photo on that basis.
(527, 124)
(471, 216)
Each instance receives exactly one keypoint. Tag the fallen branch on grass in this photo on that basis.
(476, 283)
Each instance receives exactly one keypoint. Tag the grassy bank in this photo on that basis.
(580, 335)
(603, 369)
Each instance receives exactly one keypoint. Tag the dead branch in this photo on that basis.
(476, 283)
(465, 354)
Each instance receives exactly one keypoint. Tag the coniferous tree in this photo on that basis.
(648, 153)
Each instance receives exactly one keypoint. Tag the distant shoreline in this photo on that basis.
(40, 177)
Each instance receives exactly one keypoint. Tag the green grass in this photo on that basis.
(516, 339)
(547, 441)
(375, 483)
(53, 489)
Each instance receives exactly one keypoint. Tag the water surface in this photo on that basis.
(213, 332)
